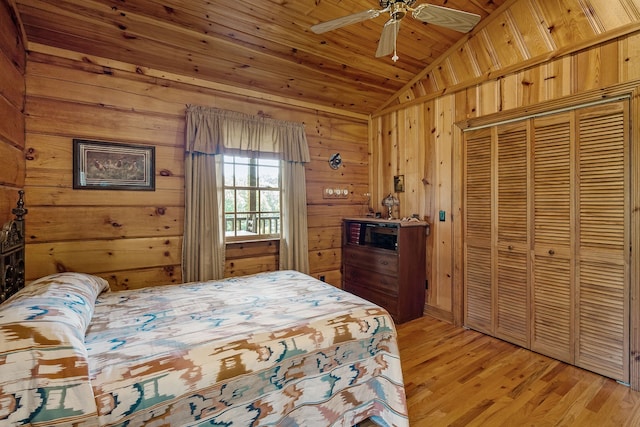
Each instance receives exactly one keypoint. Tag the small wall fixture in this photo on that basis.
(398, 183)
(335, 161)
(335, 192)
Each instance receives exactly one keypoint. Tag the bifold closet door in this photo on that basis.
(511, 300)
(496, 251)
(552, 293)
(602, 293)
(478, 294)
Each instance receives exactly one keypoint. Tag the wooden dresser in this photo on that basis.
(384, 261)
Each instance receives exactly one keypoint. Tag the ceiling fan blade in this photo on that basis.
(387, 43)
(446, 17)
(346, 20)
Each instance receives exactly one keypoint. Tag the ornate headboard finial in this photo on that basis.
(19, 211)
(12, 252)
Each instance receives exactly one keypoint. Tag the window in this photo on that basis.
(251, 198)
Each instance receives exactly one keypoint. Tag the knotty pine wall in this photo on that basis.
(422, 140)
(12, 66)
(530, 55)
(134, 238)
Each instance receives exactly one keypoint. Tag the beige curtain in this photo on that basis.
(203, 243)
(211, 132)
(294, 244)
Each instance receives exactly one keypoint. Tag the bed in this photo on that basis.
(278, 348)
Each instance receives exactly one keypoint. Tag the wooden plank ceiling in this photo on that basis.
(262, 45)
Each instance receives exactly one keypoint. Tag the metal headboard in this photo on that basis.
(12, 251)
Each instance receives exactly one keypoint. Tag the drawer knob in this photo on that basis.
(510, 247)
(551, 252)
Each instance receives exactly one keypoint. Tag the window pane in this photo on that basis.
(228, 174)
(229, 201)
(228, 224)
(250, 224)
(269, 201)
(242, 175)
(269, 177)
(269, 223)
(242, 201)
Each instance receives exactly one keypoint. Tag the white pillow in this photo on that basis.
(63, 297)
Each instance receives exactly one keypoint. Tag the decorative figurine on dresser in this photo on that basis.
(12, 251)
(384, 261)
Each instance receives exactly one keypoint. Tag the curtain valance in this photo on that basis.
(215, 131)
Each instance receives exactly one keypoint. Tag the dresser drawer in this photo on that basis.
(378, 298)
(363, 278)
(375, 261)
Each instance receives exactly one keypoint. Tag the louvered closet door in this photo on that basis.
(601, 274)
(511, 300)
(478, 243)
(552, 287)
(547, 235)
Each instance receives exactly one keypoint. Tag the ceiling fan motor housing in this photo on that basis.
(385, 3)
(397, 8)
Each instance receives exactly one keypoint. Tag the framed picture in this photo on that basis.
(102, 165)
(398, 183)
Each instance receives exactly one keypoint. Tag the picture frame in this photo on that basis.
(101, 165)
(398, 183)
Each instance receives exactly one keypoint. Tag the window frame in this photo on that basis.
(254, 188)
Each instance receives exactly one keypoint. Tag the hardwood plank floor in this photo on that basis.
(459, 377)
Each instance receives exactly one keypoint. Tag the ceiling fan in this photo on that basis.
(432, 14)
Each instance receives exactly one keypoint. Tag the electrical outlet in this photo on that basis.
(335, 192)
(443, 216)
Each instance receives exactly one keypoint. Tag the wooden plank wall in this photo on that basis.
(12, 68)
(421, 135)
(134, 238)
(520, 35)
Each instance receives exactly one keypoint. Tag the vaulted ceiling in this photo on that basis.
(261, 45)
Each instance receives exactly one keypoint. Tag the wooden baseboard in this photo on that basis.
(438, 313)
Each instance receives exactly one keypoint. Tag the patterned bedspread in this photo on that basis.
(275, 348)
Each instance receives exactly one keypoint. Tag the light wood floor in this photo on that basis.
(459, 377)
